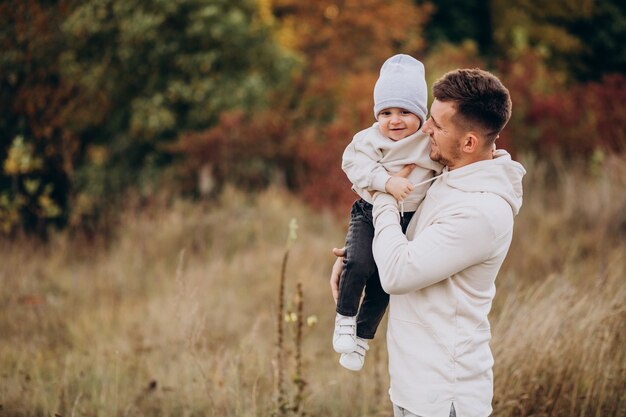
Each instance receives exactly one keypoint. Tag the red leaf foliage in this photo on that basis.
(552, 117)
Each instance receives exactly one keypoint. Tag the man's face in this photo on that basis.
(445, 137)
(397, 124)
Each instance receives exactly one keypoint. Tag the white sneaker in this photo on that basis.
(344, 337)
(354, 360)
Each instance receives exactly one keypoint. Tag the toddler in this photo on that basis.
(369, 161)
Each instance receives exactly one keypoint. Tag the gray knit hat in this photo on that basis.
(402, 84)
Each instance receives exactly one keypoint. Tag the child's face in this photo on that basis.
(397, 123)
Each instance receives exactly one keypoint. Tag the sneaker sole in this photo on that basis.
(344, 349)
(350, 368)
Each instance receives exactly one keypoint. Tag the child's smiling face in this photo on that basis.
(396, 123)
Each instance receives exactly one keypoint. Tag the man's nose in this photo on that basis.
(426, 127)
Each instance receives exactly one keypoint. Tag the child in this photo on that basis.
(385, 148)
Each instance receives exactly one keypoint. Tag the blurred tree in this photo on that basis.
(556, 59)
(93, 88)
(340, 40)
(341, 46)
(456, 22)
(165, 67)
(603, 36)
(581, 39)
(39, 146)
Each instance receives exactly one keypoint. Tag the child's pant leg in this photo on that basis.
(372, 309)
(375, 300)
(359, 262)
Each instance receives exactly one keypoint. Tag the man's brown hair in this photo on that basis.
(482, 102)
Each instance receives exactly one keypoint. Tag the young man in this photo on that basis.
(441, 275)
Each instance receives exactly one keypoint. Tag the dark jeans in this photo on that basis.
(360, 272)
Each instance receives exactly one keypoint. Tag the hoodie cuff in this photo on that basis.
(385, 203)
(380, 181)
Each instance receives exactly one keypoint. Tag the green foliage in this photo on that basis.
(117, 79)
(29, 195)
(603, 37)
(456, 22)
(166, 67)
(107, 98)
(37, 148)
(580, 39)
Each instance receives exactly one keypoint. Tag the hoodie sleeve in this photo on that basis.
(457, 240)
(361, 163)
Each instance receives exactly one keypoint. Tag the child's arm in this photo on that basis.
(361, 164)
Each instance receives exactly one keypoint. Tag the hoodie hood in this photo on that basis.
(501, 176)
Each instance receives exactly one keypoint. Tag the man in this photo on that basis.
(441, 275)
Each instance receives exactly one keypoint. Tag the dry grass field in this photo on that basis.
(176, 316)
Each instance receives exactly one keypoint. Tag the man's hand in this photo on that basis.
(335, 274)
(398, 185)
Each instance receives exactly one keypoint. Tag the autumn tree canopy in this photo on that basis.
(101, 98)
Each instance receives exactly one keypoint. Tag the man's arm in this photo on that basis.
(455, 242)
(335, 273)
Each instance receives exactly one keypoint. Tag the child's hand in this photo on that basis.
(399, 187)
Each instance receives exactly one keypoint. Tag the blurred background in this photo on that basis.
(153, 152)
(105, 99)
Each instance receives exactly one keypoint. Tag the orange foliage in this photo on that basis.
(342, 45)
(240, 149)
(324, 184)
(349, 36)
(339, 40)
(300, 139)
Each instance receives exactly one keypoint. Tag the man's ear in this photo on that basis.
(470, 143)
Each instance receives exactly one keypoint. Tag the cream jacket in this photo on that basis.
(441, 277)
(371, 157)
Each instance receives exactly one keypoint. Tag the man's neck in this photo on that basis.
(468, 159)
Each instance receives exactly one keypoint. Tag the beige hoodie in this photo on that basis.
(371, 157)
(441, 278)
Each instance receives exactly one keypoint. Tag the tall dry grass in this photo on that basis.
(177, 315)
(559, 319)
